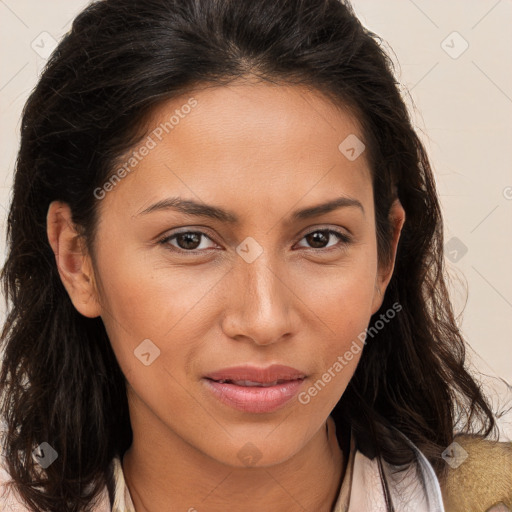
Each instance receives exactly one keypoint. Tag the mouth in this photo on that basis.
(254, 390)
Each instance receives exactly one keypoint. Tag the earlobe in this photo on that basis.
(73, 262)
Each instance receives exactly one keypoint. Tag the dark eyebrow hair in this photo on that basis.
(190, 207)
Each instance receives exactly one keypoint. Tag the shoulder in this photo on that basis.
(478, 474)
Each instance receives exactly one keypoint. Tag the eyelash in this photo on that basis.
(344, 239)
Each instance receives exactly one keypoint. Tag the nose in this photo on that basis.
(261, 303)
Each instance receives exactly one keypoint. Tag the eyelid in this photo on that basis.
(344, 232)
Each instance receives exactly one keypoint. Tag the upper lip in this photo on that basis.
(251, 373)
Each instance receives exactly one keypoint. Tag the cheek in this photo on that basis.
(146, 294)
(342, 302)
(147, 299)
(341, 295)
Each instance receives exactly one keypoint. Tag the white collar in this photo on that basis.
(413, 488)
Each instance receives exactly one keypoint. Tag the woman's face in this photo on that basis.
(258, 281)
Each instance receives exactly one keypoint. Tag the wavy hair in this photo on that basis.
(60, 380)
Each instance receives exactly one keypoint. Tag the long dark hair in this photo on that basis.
(60, 380)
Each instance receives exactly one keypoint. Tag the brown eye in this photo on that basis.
(320, 238)
(186, 241)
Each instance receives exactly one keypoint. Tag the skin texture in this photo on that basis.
(262, 151)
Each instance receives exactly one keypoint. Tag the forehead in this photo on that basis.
(259, 141)
(253, 113)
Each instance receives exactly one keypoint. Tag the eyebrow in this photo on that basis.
(190, 207)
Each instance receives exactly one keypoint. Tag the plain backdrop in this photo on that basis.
(454, 63)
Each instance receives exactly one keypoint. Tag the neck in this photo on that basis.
(191, 481)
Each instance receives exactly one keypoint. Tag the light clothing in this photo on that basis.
(361, 490)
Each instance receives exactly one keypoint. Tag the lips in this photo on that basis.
(255, 390)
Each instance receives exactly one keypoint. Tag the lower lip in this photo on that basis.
(255, 398)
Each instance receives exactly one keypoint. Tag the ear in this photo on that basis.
(73, 261)
(397, 219)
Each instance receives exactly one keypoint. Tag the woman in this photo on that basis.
(226, 275)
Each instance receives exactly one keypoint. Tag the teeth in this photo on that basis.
(250, 383)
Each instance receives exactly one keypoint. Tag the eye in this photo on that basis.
(319, 239)
(186, 241)
(192, 241)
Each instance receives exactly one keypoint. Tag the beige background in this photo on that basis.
(455, 61)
